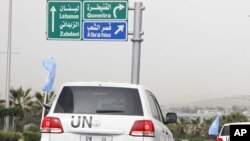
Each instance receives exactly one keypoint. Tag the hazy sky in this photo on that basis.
(192, 50)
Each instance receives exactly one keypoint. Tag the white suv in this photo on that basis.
(97, 111)
(225, 131)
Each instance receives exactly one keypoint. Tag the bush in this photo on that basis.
(196, 139)
(32, 127)
(31, 136)
(10, 112)
(9, 136)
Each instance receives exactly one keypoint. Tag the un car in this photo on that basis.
(101, 111)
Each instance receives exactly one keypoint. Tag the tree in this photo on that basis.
(183, 123)
(234, 117)
(196, 129)
(180, 128)
(2, 103)
(21, 99)
(38, 103)
(1, 118)
(205, 126)
(40, 98)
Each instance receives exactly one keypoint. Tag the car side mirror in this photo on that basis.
(171, 118)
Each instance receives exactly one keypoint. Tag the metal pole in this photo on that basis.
(44, 102)
(7, 104)
(136, 52)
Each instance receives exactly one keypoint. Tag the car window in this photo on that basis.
(99, 100)
(158, 108)
(153, 106)
(225, 131)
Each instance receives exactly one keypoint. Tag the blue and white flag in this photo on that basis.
(50, 66)
(214, 128)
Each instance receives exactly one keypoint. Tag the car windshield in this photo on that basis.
(99, 100)
(225, 131)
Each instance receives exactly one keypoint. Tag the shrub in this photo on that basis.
(196, 139)
(9, 136)
(10, 112)
(32, 127)
(31, 136)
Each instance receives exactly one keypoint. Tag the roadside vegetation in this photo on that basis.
(24, 113)
(26, 110)
(196, 129)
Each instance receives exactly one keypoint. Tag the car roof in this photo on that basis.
(236, 123)
(103, 84)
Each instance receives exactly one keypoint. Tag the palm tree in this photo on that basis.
(40, 97)
(38, 104)
(21, 99)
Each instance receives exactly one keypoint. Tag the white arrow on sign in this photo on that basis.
(53, 10)
(120, 29)
(120, 7)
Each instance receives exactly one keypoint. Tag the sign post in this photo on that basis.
(105, 20)
(94, 30)
(105, 10)
(64, 20)
(96, 20)
(136, 52)
(87, 20)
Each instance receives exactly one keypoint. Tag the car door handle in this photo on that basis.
(165, 131)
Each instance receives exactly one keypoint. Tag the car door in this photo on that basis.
(161, 131)
(166, 132)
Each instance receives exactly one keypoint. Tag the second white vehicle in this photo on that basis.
(225, 131)
(100, 111)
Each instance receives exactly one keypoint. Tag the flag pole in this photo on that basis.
(44, 102)
(50, 66)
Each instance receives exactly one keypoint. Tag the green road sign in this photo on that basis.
(105, 10)
(64, 20)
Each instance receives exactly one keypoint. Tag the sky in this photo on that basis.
(192, 50)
